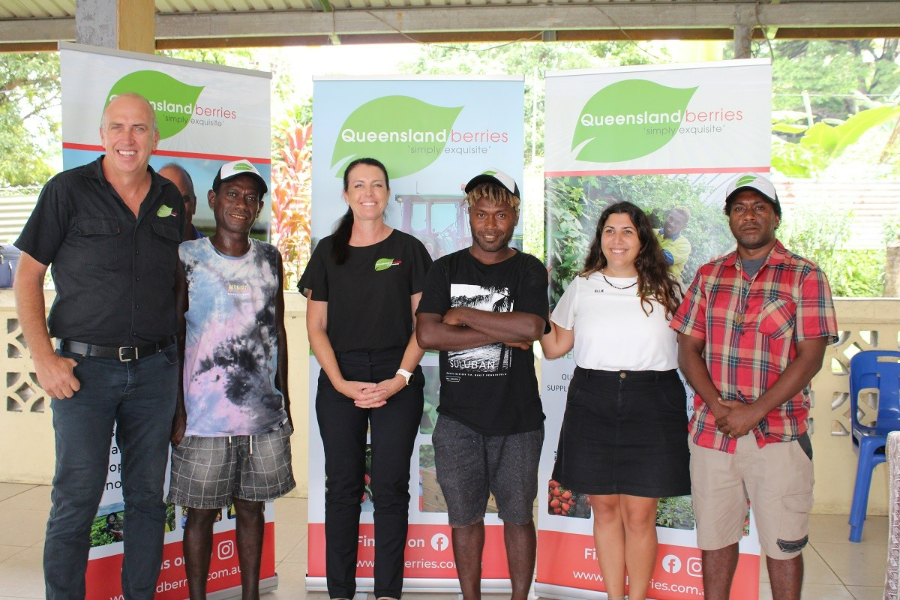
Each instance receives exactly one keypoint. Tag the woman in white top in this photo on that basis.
(624, 434)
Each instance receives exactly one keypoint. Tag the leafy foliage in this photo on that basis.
(841, 77)
(170, 517)
(29, 91)
(426, 456)
(577, 202)
(291, 198)
(100, 535)
(819, 234)
(822, 143)
(675, 512)
(826, 95)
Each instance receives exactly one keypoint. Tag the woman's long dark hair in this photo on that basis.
(340, 237)
(654, 279)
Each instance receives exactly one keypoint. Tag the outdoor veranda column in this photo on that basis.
(742, 41)
(119, 24)
(892, 270)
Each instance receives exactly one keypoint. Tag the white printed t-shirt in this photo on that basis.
(612, 332)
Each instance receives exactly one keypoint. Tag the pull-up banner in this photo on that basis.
(207, 115)
(661, 137)
(433, 135)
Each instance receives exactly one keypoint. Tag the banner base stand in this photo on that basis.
(560, 592)
(365, 585)
(267, 585)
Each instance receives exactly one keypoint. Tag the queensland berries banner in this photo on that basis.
(202, 123)
(663, 137)
(433, 135)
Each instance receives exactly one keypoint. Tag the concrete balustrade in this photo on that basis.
(26, 436)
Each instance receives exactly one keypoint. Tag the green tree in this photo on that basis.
(29, 127)
(841, 77)
(828, 94)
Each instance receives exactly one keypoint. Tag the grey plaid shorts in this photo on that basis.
(471, 466)
(207, 472)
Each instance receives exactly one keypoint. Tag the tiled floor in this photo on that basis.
(835, 568)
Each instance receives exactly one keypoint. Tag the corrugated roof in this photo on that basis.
(187, 23)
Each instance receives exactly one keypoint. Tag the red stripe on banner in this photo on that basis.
(173, 153)
(681, 171)
(569, 560)
(104, 581)
(429, 552)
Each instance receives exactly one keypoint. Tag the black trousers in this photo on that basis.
(393, 429)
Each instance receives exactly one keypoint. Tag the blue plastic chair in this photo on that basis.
(878, 369)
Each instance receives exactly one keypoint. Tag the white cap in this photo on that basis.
(752, 181)
(235, 168)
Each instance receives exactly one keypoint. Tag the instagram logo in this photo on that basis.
(694, 567)
(671, 563)
(440, 542)
(225, 550)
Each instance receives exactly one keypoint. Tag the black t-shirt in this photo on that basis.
(114, 273)
(491, 389)
(369, 295)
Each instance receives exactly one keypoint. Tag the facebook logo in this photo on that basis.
(671, 563)
(440, 542)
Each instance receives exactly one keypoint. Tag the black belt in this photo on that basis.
(122, 353)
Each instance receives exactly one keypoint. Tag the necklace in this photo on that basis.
(612, 285)
(745, 293)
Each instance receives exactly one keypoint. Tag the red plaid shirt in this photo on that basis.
(751, 326)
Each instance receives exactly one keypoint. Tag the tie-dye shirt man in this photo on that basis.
(231, 348)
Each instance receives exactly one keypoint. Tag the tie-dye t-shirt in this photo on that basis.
(231, 348)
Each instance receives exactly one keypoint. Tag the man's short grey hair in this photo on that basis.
(153, 122)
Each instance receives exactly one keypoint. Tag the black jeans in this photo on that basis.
(393, 432)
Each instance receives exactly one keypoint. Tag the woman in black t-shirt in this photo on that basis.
(363, 283)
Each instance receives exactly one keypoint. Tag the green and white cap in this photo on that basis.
(497, 177)
(752, 181)
(236, 168)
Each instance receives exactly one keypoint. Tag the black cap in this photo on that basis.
(496, 177)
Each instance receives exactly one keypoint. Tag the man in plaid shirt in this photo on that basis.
(752, 334)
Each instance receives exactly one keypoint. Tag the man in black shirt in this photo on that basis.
(110, 232)
(483, 307)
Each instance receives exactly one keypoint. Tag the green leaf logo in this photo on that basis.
(383, 264)
(172, 100)
(629, 119)
(744, 181)
(164, 211)
(242, 166)
(406, 134)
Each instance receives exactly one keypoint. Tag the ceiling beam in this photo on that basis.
(518, 18)
(693, 20)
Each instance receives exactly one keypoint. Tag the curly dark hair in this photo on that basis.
(654, 279)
